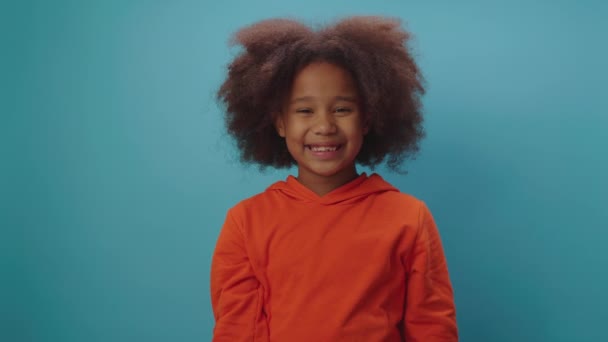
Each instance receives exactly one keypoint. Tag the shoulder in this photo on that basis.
(404, 205)
(401, 202)
(402, 198)
(394, 194)
(259, 203)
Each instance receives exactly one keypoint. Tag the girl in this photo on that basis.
(329, 255)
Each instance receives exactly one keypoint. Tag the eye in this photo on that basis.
(304, 110)
(343, 110)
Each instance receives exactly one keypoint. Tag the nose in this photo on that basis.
(325, 124)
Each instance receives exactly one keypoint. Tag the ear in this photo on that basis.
(279, 124)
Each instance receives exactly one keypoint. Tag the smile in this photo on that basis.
(323, 148)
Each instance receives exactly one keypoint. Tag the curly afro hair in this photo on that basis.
(372, 49)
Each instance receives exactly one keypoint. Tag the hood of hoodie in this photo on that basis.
(353, 191)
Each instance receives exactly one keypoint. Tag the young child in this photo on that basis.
(329, 255)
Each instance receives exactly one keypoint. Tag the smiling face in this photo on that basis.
(322, 124)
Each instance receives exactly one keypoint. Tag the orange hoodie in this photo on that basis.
(362, 263)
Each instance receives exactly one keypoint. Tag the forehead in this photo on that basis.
(323, 79)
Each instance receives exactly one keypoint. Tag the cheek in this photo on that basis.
(357, 133)
(295, 133)
(294, 144)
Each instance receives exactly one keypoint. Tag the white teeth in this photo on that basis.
(323, 148)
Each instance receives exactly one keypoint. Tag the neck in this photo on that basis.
(322, 185)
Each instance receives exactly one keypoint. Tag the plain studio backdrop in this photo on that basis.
(116, 174)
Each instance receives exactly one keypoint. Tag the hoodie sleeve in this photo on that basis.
(236, 294)
(430, 314)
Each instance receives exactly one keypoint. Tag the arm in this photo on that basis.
(430, 314)
(236, 295)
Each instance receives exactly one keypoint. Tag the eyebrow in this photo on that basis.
(338, 98)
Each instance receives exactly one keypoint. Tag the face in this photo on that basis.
(322, 123)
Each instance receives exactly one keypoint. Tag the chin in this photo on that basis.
(327, 172)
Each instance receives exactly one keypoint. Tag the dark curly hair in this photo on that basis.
(372, 49)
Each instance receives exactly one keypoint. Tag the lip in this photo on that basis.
(324, 144)
(324, 155)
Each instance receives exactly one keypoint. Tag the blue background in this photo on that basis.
(116, 174)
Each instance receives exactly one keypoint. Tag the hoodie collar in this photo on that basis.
(358, 188)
